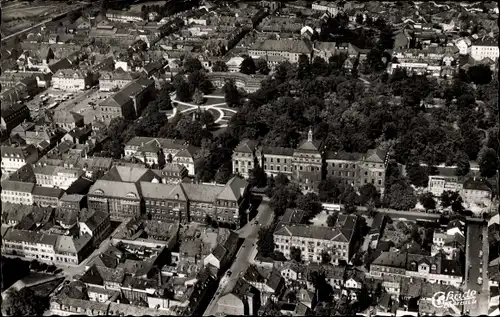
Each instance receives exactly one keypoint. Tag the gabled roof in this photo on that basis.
(202, 192)
(96, 219)
(18, 186)
(246, 146)
(126, 174)
(234, 189)
(115, 189)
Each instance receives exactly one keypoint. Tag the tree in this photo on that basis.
(231, 94)
(183, 92)
(261, 66)
(303, 67)
(373, 62)
(319, 67)
(24, 303)
(332, 219)
(295, 254)
(428, 201)
(480, 74)
(281, 180)
(265, 244)
(198, 97)
(310, 204)
(488, 162)
(206, 118)
(359, 19)
(191, 64)
(418, 175)
(283, 198)
(248, 66)
(367, 193)
(463, 164)
(453, 199)
(386, 39)
(325, 257)
(219, 66)
(328, 190)
(400, 196)
(223, 175)
(258, 177)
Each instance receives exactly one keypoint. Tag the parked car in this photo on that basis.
(480, 280)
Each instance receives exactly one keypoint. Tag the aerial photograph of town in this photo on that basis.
(249, 158)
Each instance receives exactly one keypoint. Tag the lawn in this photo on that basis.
(45, 289)
(227, 113)
(182, 108)
(213, 101)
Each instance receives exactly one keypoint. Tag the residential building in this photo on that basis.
(129, 101)
(71, 80)
(15, 157)
(223, 253)
(288, 49)
(276, 160)
(324, 50)
(115, 80)
(463, 45)
(476, 191)
(13, 115)
(46, 247)
(244, 299)
(97, 225)
(119, 199)
(17, 192)
(270, 283)
(435, 269)
(159, 151)
(249, 83)
(334, 275)
(56, 176)
(123, 16)
(67, 120)
(244, 158)
(484, 48)
(313, 241)
(46, 196)
(326, 6)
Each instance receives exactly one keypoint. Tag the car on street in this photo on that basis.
(229, 273)
(481, 253)
(480, 270)
(256, 222)
(480, 280)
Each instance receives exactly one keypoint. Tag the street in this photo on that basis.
(250, 232)
(477, 266)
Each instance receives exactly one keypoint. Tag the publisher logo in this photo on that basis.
(454, 299)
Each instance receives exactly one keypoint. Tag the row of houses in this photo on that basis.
(129, 192)
(43, 241)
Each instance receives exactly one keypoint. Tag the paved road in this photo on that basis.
(477, 266)
(250, 233)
